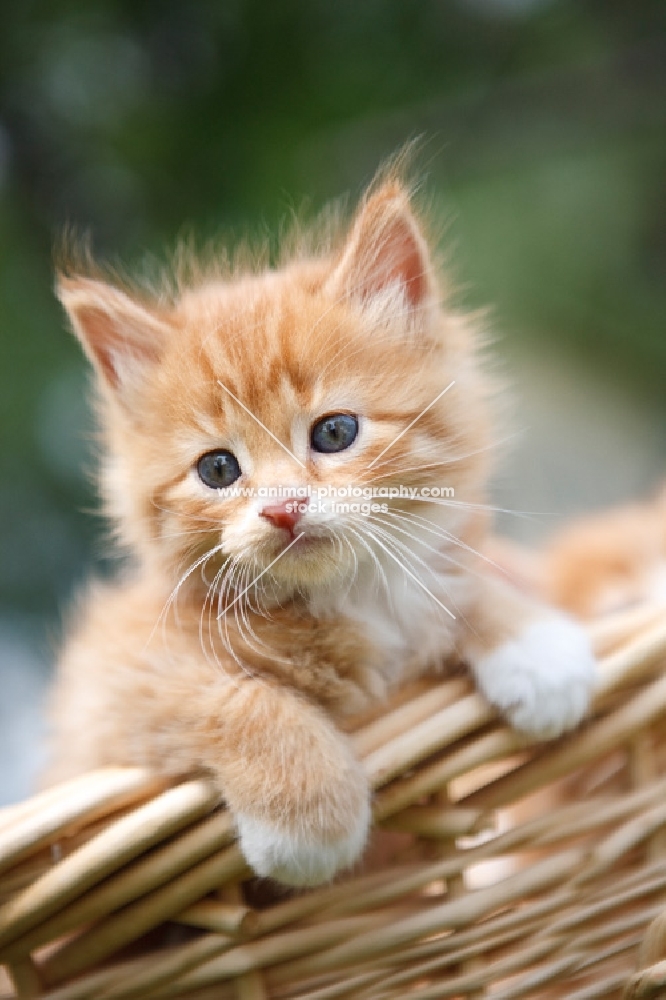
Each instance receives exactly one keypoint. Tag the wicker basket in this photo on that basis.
(497, 868)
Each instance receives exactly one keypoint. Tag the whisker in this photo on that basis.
(379, 569)
(440, 501)
(207, 603)
(458, 542)
(453, 540)
(453, 460)
(245, 606)
(420, 541)
(174, 593)
(191, 517)
(405, 562)
(222, 622)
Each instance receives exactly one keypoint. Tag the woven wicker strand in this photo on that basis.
(497, 868)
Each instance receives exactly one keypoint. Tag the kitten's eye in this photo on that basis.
(218, 469)
(334, 433)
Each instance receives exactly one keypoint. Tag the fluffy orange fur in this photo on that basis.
(221, 646)
(608, 561)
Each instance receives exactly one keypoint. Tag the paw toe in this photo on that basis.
(295, 858)
(542, 680)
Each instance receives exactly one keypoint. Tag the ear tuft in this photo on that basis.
(386, 250)
(119, 335)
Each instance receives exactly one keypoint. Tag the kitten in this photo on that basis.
(608, 561)
(245, 628)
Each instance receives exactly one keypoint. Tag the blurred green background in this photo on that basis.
(544, 151)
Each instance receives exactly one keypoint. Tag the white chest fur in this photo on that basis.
(409, 613)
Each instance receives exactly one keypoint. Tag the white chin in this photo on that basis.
(306, 571)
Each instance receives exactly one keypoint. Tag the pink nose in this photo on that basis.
(278, 515)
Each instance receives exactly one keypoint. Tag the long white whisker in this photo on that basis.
(258, 644)
(225, 582)
(453, 460)
(408, 553)
(223, 623)
(381, 530)
(448, 536)
(379, 569)
(420, 541)
(206, 606)
(191, 517)
(401, 563)
(441, 502)
(174, 593)
(450, 540)
(263, 572)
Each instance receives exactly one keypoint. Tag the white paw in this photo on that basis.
(297, 859)
(542, 681)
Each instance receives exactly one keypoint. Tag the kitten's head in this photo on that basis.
(327, 373)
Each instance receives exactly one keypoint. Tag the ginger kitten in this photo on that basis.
(608, 561)
(245, 627)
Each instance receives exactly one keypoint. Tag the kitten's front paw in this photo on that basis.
(542, 680)
(300, 858)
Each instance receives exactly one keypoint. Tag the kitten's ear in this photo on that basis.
(119, 335)
(386, 254)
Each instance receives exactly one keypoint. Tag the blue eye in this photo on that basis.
(218, 469)
(334, 433)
